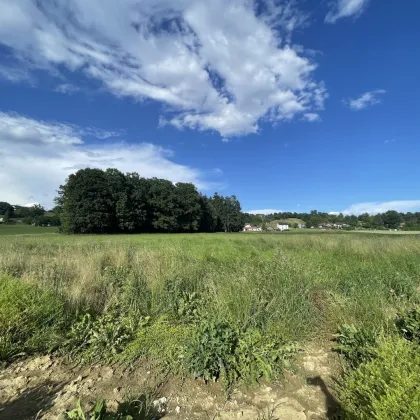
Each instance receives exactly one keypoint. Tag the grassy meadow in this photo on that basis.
(229, 306)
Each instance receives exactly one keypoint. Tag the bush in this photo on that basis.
(384, 388)
(30, 319)
(408, 324)
(356, 345)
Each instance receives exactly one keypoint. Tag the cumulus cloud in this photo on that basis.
(38, 155)
(375, 208)
(344, 9)
(366, 100)
(215, 65)
(264, 211)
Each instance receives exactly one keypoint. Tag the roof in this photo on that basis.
(283, 223)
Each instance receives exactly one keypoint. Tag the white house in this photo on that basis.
(250, 228)
(1, 220)
(283, 226)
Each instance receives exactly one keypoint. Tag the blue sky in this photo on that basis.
(290, 105)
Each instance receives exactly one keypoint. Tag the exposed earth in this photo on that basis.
(45, 387)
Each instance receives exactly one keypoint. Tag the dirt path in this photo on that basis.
(47, 387)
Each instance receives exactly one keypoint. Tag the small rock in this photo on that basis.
(160, 404)
(177, 409)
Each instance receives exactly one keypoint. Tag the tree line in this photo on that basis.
(387, 220)
(98, 201)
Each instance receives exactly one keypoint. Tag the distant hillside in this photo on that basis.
(291, 221)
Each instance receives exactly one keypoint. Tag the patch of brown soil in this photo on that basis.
(46, 387)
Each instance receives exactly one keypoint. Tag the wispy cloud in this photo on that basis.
(366, 100)
(264, 211)
(218, 171)
(345, 9)
(38, 155)
(67, 88)
(216, 65)
(375, 208)
(15, 74)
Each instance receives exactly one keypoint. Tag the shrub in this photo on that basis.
(408, 324)
(356, 345)
(30, 319)
(384, 388)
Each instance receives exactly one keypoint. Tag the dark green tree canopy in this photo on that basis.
(96, 201)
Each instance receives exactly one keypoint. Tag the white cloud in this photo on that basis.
(67, 88)
(264, 211)
(15, 74)
(216, 65)
(345, 8)
(375, 208)
(311, 117)
(365, 100)
(37, 156)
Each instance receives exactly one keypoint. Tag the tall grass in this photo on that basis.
(296, 286)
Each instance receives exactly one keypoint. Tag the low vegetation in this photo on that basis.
(229, 308)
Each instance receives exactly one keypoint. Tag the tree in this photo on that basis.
(392, 219)
(188, 207)
(208, 215)
(5, 207)
(131, 207)
(229, 214)
(87, 202)
(162, 204)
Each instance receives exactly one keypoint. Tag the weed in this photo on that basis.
(219, 351)
(408, 324)
(102, 338)
(356, 345)
(385, 387)
(137, 409)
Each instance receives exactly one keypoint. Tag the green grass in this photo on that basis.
(238, 294)
(21, 229)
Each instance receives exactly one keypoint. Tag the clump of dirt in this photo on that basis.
(45, 387)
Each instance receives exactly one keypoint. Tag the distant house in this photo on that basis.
(301, 226)
(1, 220)
(339, 225)
(282, 226)
(252, 228)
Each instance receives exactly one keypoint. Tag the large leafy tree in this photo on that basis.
(392, 219)
(187, 207)
(162, 203)
(6, 209)
(87, 202)
(208, 215)
(229, 214)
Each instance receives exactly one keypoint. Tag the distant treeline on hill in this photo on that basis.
(388, 220)
(97, 201)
